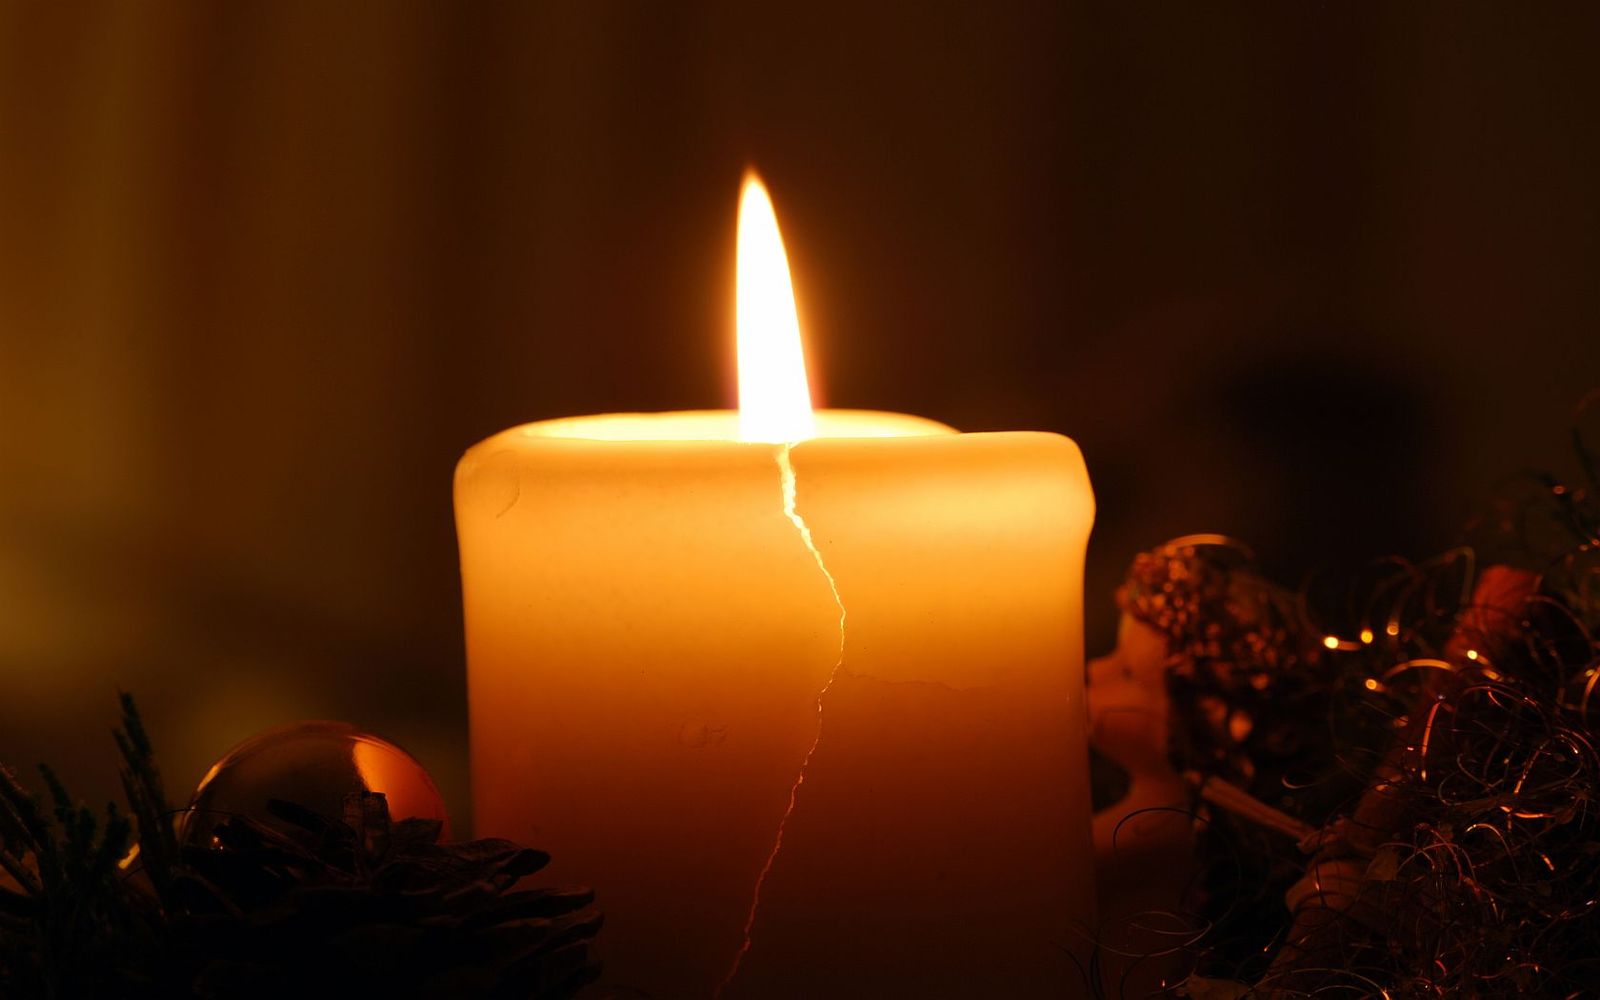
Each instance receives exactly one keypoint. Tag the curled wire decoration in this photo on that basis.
(1462, 697)
(1179, 929)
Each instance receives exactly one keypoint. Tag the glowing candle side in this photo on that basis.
(646, 641)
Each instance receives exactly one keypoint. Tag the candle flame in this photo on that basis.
(774, 397)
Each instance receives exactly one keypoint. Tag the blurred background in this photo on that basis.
(1318, 275)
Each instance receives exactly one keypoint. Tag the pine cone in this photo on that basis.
(367, 907)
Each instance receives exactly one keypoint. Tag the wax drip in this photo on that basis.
(786, 473)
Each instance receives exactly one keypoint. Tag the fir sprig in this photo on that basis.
(147, 798)
(72, 927)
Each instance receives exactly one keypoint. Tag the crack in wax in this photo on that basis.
(646, 645)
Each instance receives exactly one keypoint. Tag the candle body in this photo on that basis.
(650, 634)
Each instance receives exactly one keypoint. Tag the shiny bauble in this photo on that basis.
(314, 765)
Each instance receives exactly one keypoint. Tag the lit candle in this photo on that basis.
(800, 695)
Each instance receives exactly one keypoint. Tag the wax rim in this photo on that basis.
(722, 426)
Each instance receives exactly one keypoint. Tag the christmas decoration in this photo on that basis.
(315, 765)
(289, 900)
(1391, 788)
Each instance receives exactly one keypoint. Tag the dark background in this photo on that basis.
(1314, 274)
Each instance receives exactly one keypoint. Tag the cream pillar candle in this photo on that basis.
(808, 716)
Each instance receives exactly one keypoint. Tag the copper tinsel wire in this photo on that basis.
(1475, 720)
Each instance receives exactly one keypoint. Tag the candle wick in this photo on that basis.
(791, 511)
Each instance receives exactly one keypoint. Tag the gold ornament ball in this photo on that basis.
(314, 765)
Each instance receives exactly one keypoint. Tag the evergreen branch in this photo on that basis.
(141, 784)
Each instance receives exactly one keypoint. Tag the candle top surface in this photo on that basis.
(723, 425)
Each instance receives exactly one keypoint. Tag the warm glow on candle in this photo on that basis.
(659, 668)
(774, 399)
